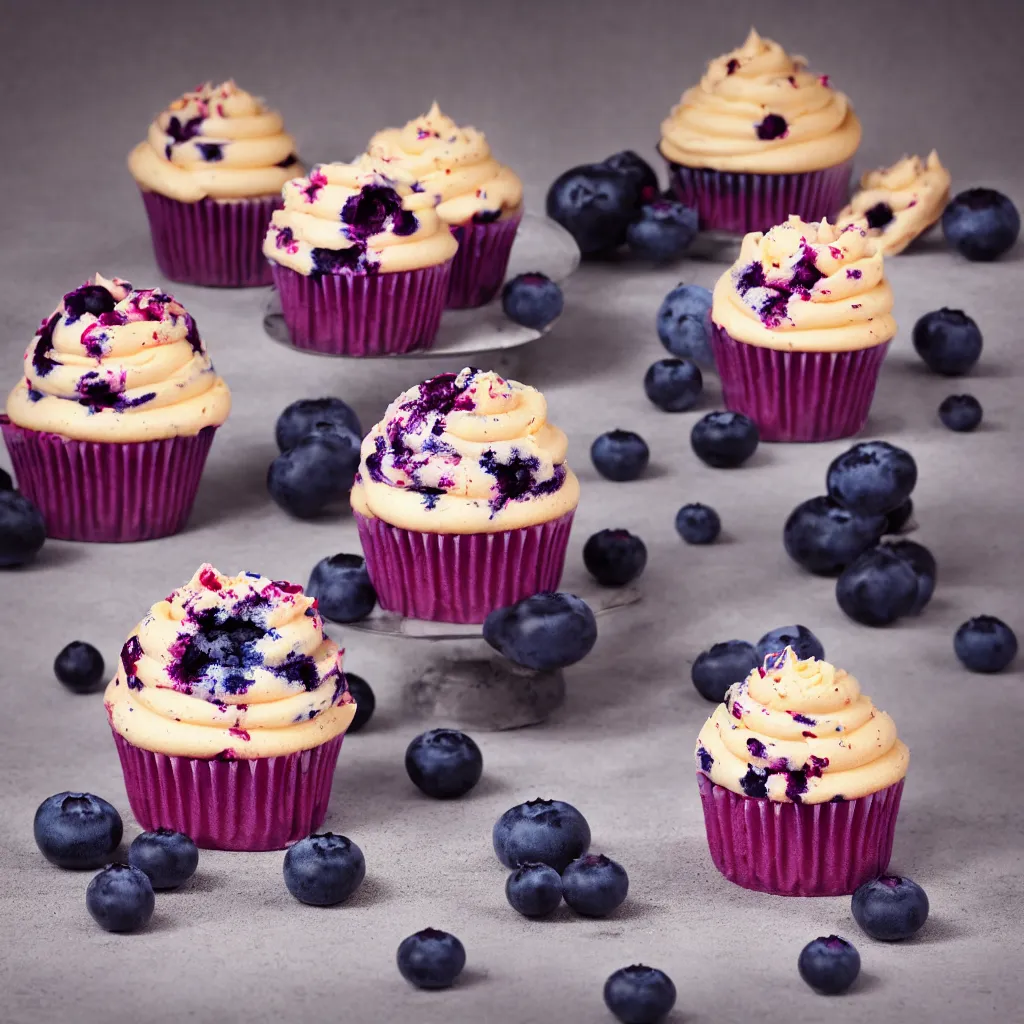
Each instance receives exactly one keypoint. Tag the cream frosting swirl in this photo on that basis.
(801, 732)
(116, 363)
(761, 111)
(452, 164)
(231, 667)
(806, 288)
(465, 453)
(896, 204)
(217, 141)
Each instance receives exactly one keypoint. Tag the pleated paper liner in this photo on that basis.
(479, 267)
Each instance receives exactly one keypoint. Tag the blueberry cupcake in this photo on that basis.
(800, 779)
(463, 499)
(110, 425)
(478, 198)
(360, 259)
(800, 325)
(760, 138)
(228, 711)
(211, 171)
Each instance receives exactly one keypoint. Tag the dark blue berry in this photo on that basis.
(543, 632)
(896, 520)
(79, 666)
(877, 588)
(723, 664)
(120, 899)
(167, 857)
(804, 643)
(724, 440)
(444, 763)
(638, 171)
(533, 300)
(535, 890)
(431, 959)
(595, 204)
(342, 588)
(6, 483)
(614, 557)
(960, 413)
(548, 832)
(364, 698)
(620, 455)
(698, 524)
(77, 830)
(594, 885)
(825, 538)
(22, 530)
(985, 644)
(922, 561)
(92, 299)
(674, 385)
(684, 323)
(829, 964)
(948, 341)
(302, 418)
(872, 478)
(317, 472)
(640, 995)
(981, 223)
(664, 230)
(890, 908)
(324, 870)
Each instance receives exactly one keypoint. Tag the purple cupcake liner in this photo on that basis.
(797, 396)
(738, 203)
(478, 270)
(363, 314)
(451, 577)
(102, 491)
(799, 849)
(264, 803)
(213, 243)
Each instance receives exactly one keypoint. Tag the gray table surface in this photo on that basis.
(553, 84)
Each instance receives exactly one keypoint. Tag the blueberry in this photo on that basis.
(620, 455)
(948, 340)
(825, 538)
(922, 561)
(431, 959)
(168, 858)
(79, 666)
(22, 530)
(877, 588)
(93, 299)
(639, 994)
(533, 300)
(872, 478)
(614, 557)
(724, 440)
(594, 885)
(981, 223)
(302, 417)
(717, 668)
(342, 588)
(638, 171)
(985, 644)
(960, 413)
(120, 898)
(684, 323)
(318, 471)
(77, 830)
(543, 632)
(6, 483)
(890, 908)
(896, 521)
(664, 230)
(829, 964)
(698, 524)
(324, 870)
(535, 890)
(595, 204)
(674, 385)
(444, 763)
(548, 832)
(804, 643)
(364, 698)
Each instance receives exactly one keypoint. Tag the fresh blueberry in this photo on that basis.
(922, 561)
(640, 995)
(318, 471)
(594, 885)
(342, 588)
(302, 417)
(167, 857)
(872, 478)
(93, 299)
(22, 530)
(896, 521)
(614, 557)
(890, 908)
(825, 538)
(548, 832)
(717, 668)
(77, 830)
(543, 632)
(674, 385)
(595, 204)
(960, 413)
(877, 588)
(724, 440)
(431, 959)
(804, 643)
(829, 964)
(985, 644)
(535, 890)
(981, 223)
(444, 763)
(664, 230)
(6, 483)
(948, 341)
(684, 323)
(533, 300)
(698, 524)
(324, 870)
(364, 698)
(639, 172)
(120, 898)
(620, 455)
(79, 666)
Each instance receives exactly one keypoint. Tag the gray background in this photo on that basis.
(552, 84)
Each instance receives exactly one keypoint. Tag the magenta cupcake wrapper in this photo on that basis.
(738, 203)
(363, 314)
(799, 849)
(264, 803)
(102, 491)
(797, 396)
(213, 243)
(478, 270)
(451, 577)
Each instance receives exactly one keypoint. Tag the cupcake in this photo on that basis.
(800, 325)
(758, 139)
(897, 204)
(111, 423)
(800, 778)
(228, 711)
(211, 172)
(478, 198)
(361, 260)
(463, 499)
